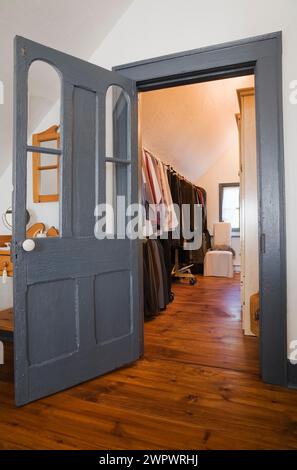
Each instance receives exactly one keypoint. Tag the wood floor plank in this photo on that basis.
(197, 387)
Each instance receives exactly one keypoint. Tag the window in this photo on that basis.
(230, 205)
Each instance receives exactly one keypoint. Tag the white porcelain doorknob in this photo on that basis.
(28, 245)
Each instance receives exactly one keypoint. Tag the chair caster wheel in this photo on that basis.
(192, 282)
(171, 297)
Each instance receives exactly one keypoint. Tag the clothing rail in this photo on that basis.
(178, 271)
(173, 169)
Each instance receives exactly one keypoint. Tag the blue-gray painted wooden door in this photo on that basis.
(76, 298)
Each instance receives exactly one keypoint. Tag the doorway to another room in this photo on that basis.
(260, 56)
(203, 303)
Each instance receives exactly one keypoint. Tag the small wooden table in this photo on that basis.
(6, 324)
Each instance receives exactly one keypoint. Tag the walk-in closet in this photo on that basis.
(198, 150)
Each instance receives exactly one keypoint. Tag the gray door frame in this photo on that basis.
(261, 55)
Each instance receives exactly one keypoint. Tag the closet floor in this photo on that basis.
(197, 387)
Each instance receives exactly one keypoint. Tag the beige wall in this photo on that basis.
(194, 129)
(193, 126)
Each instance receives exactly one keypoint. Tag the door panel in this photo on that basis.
(83, 161)
(45, 341)
(76, 298)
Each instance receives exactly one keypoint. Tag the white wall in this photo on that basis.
(5, 196)
(73, 26)
(6, 294)
(150, 29)
(48, 213)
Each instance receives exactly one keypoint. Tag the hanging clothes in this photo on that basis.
(170, 221)
(162, 188)
(155, 278)
(167, 247)
(157, 198)
(161, 280)
(175, 189)
(150, 281)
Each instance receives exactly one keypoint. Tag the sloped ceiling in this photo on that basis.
(192, 126)
(73, 26)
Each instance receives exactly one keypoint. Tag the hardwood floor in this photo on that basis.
(197, 387)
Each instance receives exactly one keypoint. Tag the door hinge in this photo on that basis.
(15, 252)
(263, 243)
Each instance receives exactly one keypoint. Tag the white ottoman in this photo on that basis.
(218, 263)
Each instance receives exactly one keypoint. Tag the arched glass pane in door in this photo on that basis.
(118, 158)
(43, 167)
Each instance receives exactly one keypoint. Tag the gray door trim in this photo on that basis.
(261, 55)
